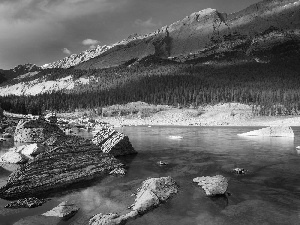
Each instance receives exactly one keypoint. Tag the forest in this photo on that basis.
(270, 88)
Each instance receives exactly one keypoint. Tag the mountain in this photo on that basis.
(258, 32)
(75, 59)
(251, 56)
(20, 70)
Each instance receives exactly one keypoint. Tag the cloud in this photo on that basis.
(66, 51)
(145, 24)
(90, 42)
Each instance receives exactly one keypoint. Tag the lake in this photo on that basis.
(268, 194)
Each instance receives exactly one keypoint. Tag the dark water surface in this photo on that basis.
(268, 194)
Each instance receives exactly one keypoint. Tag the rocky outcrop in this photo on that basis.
(26, 203)
(153, 192)
(279, 131)
(57, 169)
(75, 59)
(35, 131)
(13, 157)
(216, 185)
(113, 142)
(63, 210)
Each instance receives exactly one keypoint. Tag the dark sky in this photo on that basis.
(43, 31)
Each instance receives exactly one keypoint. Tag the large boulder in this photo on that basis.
(216, 185)
(276, 131)
(63, 210)
(153, 192)
(13, 157)
(35, 131)
(113, 142)
(57, 169)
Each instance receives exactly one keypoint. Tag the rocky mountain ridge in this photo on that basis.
(201, 34)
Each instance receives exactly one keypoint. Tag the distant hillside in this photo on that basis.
(18, 71)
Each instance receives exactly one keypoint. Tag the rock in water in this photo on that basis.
(64, 210)
(58, 168)
(26, 203)
(216, 185)
(13, 157)
(113, 142)
(35, 131)
(153, 192)
(279, 131)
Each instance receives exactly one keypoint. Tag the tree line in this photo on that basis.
(271, 89)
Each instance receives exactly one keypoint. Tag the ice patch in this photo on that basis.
(175, 137)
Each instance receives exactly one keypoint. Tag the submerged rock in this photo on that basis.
(153, 192)
(13, 157)
(239, 170)
(35, 131)
(113, 142)
(26, 203)
(276, 131)
(64, 210)
(216, 185)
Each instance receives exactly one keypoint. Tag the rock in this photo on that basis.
(162, 163)
(239, 170)
(29, 150)
(113, 142)
(118, 171)
(153, 192)
(58, 168)
(64, 210)
(35, 131)
(6, 135)
(65, 140)
(279, 131)
(26, 203)
(216, 185)
(13, 157)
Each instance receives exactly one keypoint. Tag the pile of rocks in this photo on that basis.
(65, 160)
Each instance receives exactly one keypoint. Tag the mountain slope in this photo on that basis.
(20, 70)
(209, 34)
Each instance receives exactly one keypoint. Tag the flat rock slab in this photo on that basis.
(279, 131)
(153, 192)
(63, 210)
(57, 169)
(216, 185)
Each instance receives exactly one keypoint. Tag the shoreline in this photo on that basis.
(227, 114)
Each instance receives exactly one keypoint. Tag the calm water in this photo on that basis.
(268, 194)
